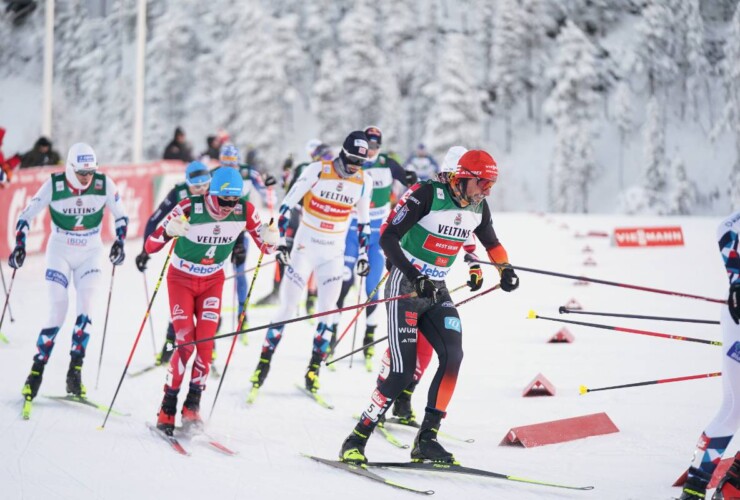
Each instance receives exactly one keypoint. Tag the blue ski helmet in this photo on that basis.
(229, 156)
(226, 182)
(196, 173)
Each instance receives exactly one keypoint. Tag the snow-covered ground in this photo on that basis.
(60, 453)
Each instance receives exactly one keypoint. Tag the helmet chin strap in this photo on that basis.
(457, 192)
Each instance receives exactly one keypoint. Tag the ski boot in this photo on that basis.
(168, 348)
(695, 487)
(353, 448)
(191, 408)
(312, 374)
(263, 368)
(33, 382)
(166, 415)
(369, 351)
(402, 405)
(74, 378)
(426, 447)
(729, 486)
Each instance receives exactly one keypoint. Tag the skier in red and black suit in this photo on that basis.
(421, 241)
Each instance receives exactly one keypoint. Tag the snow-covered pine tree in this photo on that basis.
(369, 94)
(573, 108)
(689, 54)
(400, 42)
(656, 45)
(655, 168)
(622, 113)
(428, 48)
(517, 70)
(169, 74)
(731, 115)
(457, 104)
(255, 87)
(683, 193)
(325, 102)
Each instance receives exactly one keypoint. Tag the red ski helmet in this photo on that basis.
(477, 164)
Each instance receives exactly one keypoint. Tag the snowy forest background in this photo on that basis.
(626, 106)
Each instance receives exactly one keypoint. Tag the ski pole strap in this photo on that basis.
(604, 282)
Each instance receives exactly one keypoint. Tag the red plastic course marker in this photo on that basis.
(539, 386)
(559, 431)
(562, 336)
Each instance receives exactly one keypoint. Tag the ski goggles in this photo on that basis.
(227, 201)
(358, 161)
(85, 173)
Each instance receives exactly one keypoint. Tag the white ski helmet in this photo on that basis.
(81, 157)
(449, 165)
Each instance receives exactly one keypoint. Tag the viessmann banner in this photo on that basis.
(648, 236)
(135, 184)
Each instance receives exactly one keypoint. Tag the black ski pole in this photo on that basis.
(604, 282)
(242, 318)
(5, 289)
(354, 332)
(534, 315)
(472, 297)
(565, 310)
(138, 335)
(105, 326)
(151, 323)
(7, 300)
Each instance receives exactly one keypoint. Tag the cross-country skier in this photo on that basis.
(76, 199)
(718, 434)
(206, 228)
(402, 408)
(329, 190)
(383, 170)
(230, 157)
(197, 180)
(317, 151)
(421, 241)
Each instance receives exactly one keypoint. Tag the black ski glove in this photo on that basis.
(270, 180)
(283, 255)
(411, 177)
(425, 288)
(733, 302)
(509, 279)
(141, 261)
(476, 277)
(18, 256)
(239, 253)
(116, 253)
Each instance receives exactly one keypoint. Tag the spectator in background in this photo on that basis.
(422, 163)
(213, 147)
(178, 148)
(6, 165)
(42, 154)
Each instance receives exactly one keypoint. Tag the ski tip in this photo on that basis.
(582, 390)
(532, 314)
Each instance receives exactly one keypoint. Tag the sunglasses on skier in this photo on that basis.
(227, 201)
(85, 173)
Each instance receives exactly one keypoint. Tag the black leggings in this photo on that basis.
(439, 322)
